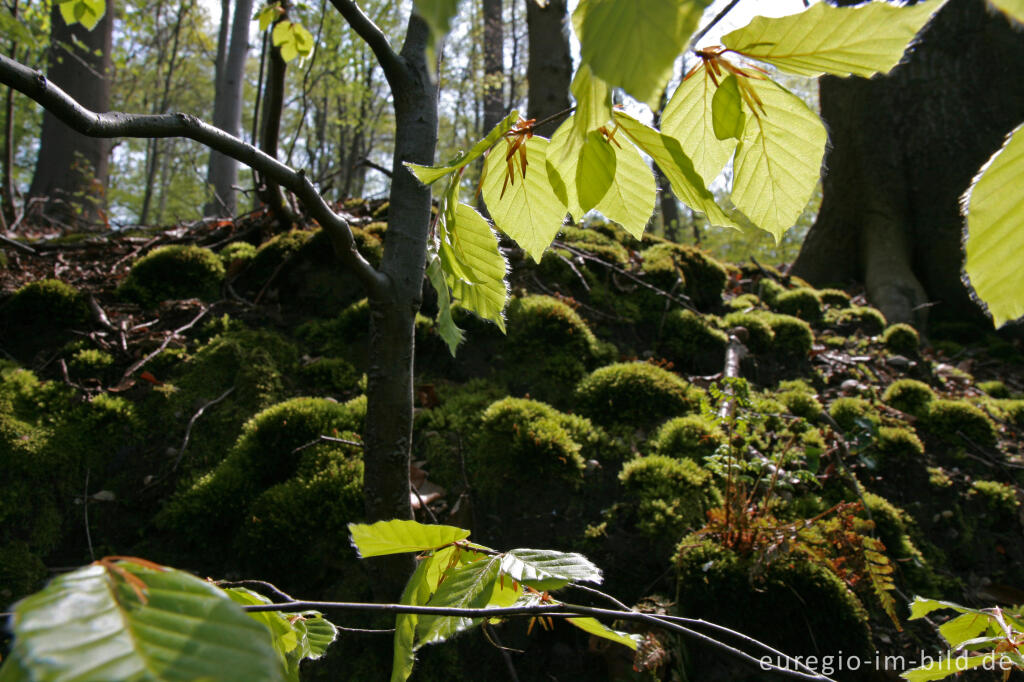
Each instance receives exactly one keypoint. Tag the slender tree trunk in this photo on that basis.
(222, 172)
(393, 310)
(549, 68)
(269, 192)
(904, 148)
(7, 212)
(71, 169)
(667, 204)
(494, 63)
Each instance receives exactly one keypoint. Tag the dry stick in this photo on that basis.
(17, 245)
(492, 636)
(556, 611)
(327, 439)
(423, 504)
(99, 314)
(191, 423)
(734, 353)
(139, 363)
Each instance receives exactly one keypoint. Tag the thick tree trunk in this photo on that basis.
(222, 172)
(71, 169)
(393, 309)
(904, 148)
(494, 63)
(549, 66)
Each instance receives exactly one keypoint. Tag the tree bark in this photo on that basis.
(71, 169)
(904, 148)
(222, 172)
(549, 65)
(494, 63)
(7, 212)
(269, 192)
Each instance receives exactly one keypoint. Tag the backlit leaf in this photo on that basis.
(727, 116)
(843, 41)
(85, 12)
(689, 117)
(593, 101)
(292, 39)
(561, 162)
(921, 607)
(1011, 8)
(416, 593)
(446, 327)
(94, 624)
(994, 206)
(539, 564)
(630, 199)
(633, 45)
(595, 170)
(964, 627)
(596, 627)
(430, 174)
(468, 586)
(398, 536)
(483, 289)
(677, 167)
(528, 210)
(948, 666)
(778, 160)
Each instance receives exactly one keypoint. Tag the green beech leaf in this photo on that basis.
(593, 101)
(630, 199)
(85, 12)
(994, 206)
(529, 211)
(399, 536)
(292, 39)
(689, 117)
(483, 289)
(561, 162)
(417, 592)
(595, 170)
(525, 565)
(677, 167)
(964, 627)
(92, 624)
(778, 160)
(633, 45)
(267, 15)
(446, 327)
(430, 174)
(949, 666)
(1014, 9)
(843, 41)
(727, 116)
(596, 627)
(921, 607)
(468, 586)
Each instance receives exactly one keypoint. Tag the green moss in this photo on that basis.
(692, 344)
(331, 376)
(949, 419)
(909, 395)
(376, 229)
(703, 277)
(847, 411)
(237, 252)
(690, 437)
(549, 349)
(768, 600)
(209, 513)
(635, 394)
(769, 290)
(669, 496)
(368, 244)
(91, 362)
(899, 444)
(901, 338)
(518, 435)
(802, 302)
(800, 404)
(760, 336)
(1014, 410)
(743, 302)
(793, 336)
(41, 314)
(938, 478)
(996, 389)
(598, 244)
(174, 272)
(998, 498)
(857, 318)
(893, 526)
(836, 298)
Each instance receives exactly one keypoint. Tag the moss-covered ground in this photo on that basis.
(202, 405)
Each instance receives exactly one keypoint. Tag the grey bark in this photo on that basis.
(7, 212)
(549, 65)
(222, 171)
(269, 191)
(71, 169)
(494, 63)
(904, 148)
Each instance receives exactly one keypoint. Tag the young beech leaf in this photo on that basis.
(595, 170)
(267, 15)
(399, 536)
(468, 586)
(842, 41)
(778, 160)
(677, 167)
(126, 620)
(994, 206)
(630, 199)
(647, 37)
(430, 174)
(727, 116)
(418, 589)
(596, 627)
(1014, 9)
(689, 117)
(483, 290)
(526, 209)
(85, 12)
(540, 564)
(949, 666)
(563, 156)
(292, 39)
(446, 327)
(593, 101)
(964, 627)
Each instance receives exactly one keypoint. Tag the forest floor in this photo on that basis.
(178, 396)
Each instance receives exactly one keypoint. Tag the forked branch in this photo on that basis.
(36, 86)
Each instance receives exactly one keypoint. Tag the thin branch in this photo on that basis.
(394, 67)
(192, 422)
(116, 124)
(327, 439)
(718, 17)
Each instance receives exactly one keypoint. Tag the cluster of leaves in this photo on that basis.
(453, 572)
(979, 639)
(293, 39)
(727, 107)
(127, 618)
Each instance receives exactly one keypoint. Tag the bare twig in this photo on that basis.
(138, 364)
(718, 17)
(327, 439)
(191, 423)
(17, 245)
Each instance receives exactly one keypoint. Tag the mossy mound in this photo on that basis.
(801, 302)
(174, 272)
(956, 420)
(793, 337)
(549, 348)
(861, 319)
(909, 395)
(703, 277)
(693, 437)
(692, 343)
(236, 255)
(759, 337)
(635, 394)
(208, 514)
(850, 412)
(902, 339)
(667, 496)
(41, 314)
